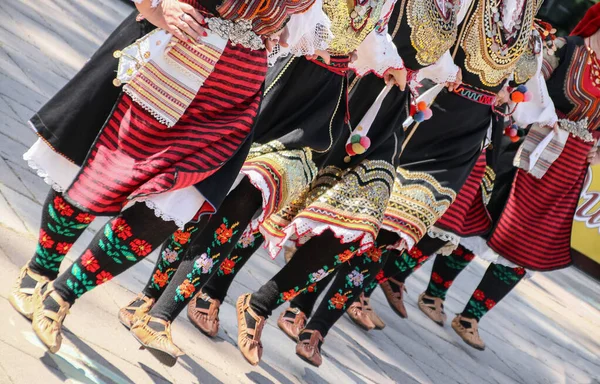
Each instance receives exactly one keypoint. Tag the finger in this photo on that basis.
(185, 27)
(402, 85)
(177, 33)
(192, 12)
(326, 57)
(269, 45)
(194, 25)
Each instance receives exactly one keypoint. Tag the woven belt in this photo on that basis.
(337, 64)
(476, 95)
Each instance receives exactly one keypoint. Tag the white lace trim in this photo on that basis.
(309, 31)
(376, 54)
(300, 230)
(452, 240)
(259, 183)
(142, 103)
(41, 172)
(404, 243)
(160, 214)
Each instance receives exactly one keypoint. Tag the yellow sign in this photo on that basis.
(586, 223)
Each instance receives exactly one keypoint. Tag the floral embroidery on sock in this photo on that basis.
(89, 262)
(338, 301)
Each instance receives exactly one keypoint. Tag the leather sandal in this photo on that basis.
(469, 335)
(358, 316)
(205, 319)
(129, 314)
(158, 343)
(292, 326)
(370, 312)
(249, 338)
(47, 325)
(395, 298)
(20, 297)
(433, 310)
(308, 350)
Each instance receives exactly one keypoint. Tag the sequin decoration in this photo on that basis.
(491, 52)
(416, 203)
(433, 27)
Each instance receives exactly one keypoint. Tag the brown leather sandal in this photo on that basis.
(21, 298)
(434, 310)
(358, 316)
(395, 298)
(129, 314)
(308, 350)
(158, 343)
(205, 319)
(292, 326)
(370, 312)
(469, 335)
(249, 338)
(47, 324)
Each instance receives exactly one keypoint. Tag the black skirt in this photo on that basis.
(71, 120)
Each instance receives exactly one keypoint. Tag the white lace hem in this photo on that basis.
(309, 32)
(258, 181)
(300, 230)
(452, 240)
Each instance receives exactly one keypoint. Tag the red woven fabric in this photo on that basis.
(136, 156)
(534, 230)
(467, 216)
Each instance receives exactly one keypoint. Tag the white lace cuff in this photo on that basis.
(441, 72)
(376, 54)
(309, 31)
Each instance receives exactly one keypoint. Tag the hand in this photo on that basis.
(280, 38)
(502, 97)
(180, 19)
(456, 83)
(353, 56)
(397, 77)
(593, 157)
(322, 54)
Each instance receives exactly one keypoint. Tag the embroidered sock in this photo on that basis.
(311, 262)
(306, 301)
(496, 283)
(219, 284)
(208, 250)
(446, 269)
(62, 225)
(170, 257)
(124, 241)
(349, 282)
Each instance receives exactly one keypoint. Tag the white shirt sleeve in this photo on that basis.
(442, 71)
(308, 32)
(540, 109)
(154, 2)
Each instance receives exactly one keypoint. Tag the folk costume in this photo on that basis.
(186, 113)
(515, 202)
(441, 163)
(301, 121)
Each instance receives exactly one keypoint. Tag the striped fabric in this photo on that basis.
(534, 230)
(135, 155)
(467, 216)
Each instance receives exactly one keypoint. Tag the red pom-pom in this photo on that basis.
(513, 132)
(507, 131)
(349, 149)
(517, 97)
(413, 109)
(421, 106)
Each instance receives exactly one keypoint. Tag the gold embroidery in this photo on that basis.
(417, 202)
(527, 65)
(350, 26)
(433, 31)
(483, 56)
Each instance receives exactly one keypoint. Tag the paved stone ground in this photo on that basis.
(548, 331)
